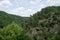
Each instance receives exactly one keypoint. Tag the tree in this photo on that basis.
(13, 32)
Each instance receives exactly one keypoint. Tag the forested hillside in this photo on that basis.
(47, 17)
(6, 19)
(43, 25)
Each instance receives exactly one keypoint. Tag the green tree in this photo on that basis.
(13, 32)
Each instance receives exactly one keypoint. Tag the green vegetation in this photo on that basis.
(13, 32)
(43, 25)
(6, 19)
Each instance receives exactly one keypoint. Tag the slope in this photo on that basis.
(6, 19)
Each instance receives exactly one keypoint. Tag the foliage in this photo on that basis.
(46, 21)
(6, 19)
(47, 17)
(13, 32)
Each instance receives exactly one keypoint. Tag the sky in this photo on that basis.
(26, 7)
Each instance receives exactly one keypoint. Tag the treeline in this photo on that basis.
(6, 19)
(43, 25)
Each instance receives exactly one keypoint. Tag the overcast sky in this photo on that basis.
(26, 7)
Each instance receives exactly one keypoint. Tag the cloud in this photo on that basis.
(5, 3)
(52, 2)
(18, 9)
(21, 11)
(39, 4)
(32, 2)
(26, 7)
(35, 2)
(45, 2)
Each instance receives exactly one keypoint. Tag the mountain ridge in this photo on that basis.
(9, 18)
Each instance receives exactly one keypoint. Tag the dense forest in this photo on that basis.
(43, 25)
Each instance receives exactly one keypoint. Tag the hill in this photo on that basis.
(47, 17)
(43, 25)
(6, 19)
